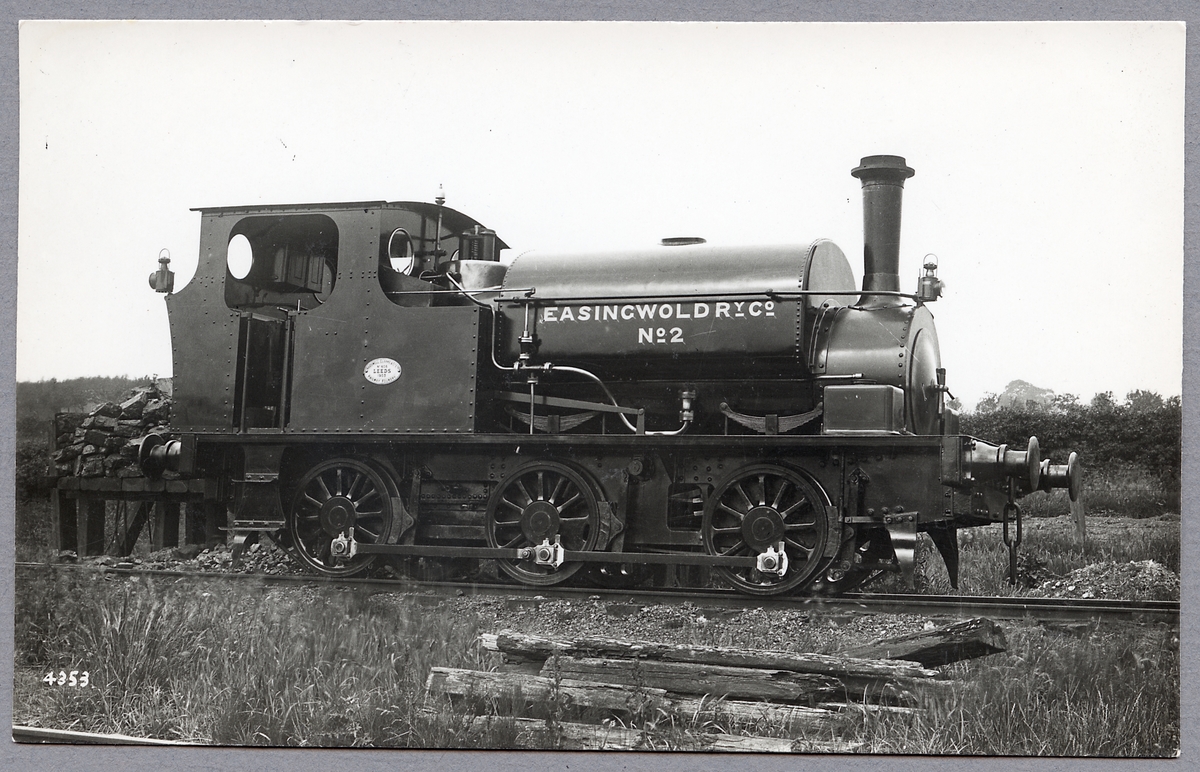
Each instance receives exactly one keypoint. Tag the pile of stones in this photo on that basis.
(104, 442)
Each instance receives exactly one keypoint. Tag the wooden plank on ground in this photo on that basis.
(688, 678)
(964, 640)
(569, 736)
(617, 698)
(540, 647)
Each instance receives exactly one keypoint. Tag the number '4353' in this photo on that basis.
(77, 678)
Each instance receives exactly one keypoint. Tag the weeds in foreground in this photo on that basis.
(1049, 545)
(1109, 694)
(240, 664)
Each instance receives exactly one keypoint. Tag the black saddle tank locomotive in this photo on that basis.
(374, 382)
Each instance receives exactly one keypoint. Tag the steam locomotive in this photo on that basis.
(367, 381)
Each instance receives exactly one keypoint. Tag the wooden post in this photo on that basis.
(1080, 518)
(195, 526)
(134, 528)
(91, 536)
(64, 521)
(165, 532)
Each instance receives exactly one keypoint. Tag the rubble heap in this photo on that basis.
(104, 442)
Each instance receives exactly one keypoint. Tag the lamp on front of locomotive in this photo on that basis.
(929, 286)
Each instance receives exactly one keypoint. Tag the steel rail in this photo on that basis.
(1000, 607)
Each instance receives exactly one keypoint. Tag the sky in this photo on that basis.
(1049, 163)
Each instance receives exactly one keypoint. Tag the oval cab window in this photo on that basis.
(400, 252)
(240, 256)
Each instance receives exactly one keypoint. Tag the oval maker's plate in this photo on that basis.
(382, 370)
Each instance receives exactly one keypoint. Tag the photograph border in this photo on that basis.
(19, 756)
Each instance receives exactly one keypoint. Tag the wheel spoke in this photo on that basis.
(793, 543)
(762, 485)
(541, 485)
(514, 542)
(558, 487)
(800, 526)
(524, 490)
(799, 503)
(324, 488)
(783, 486)
(737, 546)
(739, 515)
(570, 501)
(371, 494)
(358, 478)
(742, 491)
(309, 498)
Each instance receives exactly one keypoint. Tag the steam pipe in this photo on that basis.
(883, 179)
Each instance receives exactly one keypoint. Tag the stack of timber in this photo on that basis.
(104, 442)
(600, 693)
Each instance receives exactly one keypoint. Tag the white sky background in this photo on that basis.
(1049, 161)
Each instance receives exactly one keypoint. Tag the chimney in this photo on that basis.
(883, 179)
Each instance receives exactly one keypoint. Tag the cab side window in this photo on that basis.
(284, 260)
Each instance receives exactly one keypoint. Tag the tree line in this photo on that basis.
(1144, 431)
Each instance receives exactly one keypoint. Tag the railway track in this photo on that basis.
(1044, 609)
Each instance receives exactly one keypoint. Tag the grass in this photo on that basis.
(1049, 548)
(236, 665)
(246, 665)
(1120, 491)
(1110, 693)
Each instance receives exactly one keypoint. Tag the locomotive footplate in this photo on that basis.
(655, 558)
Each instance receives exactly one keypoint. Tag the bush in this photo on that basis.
(1107, 436)
(33, 458)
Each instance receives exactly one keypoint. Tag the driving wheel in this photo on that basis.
(758, 508)
(334, 497)
(539, 502)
